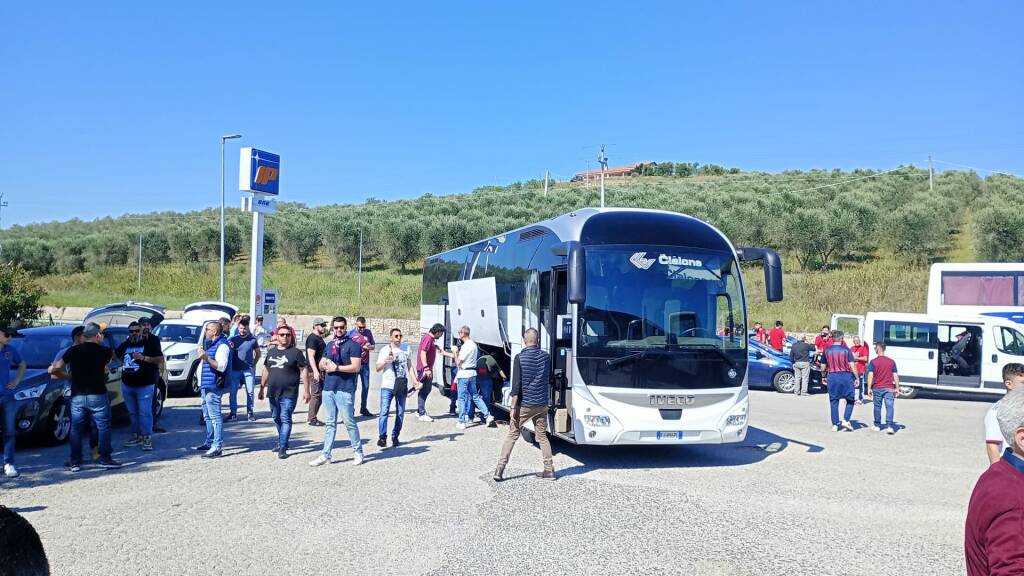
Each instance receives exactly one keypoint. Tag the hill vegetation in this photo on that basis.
(842, 234)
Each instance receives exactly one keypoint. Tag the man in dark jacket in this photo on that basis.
(530, 398)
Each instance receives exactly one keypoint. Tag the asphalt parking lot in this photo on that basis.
(794, 498)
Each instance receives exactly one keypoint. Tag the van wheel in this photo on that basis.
(908, 392)
(784, 381)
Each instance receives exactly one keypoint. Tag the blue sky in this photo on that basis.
(113, 108)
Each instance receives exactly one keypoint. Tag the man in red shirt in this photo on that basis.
(883, 386)
(759, 333)
(860, 354)
(426, 354)
(994, 532)
(777, 336)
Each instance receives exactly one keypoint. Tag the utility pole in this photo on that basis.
(359, 294)
(140, 262)
(546, 182)
(604, 166)
(3, 205)
(931, 174)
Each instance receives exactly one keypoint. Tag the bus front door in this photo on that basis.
(559, 329)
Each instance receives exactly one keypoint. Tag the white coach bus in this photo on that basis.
(642, 311)
(970, 289)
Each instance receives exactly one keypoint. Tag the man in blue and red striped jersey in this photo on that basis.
(842, 374)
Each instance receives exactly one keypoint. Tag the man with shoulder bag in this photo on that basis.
(394, 364)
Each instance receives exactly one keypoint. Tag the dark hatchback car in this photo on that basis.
(43, 410)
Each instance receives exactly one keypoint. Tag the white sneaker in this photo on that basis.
(490, 420)
(891, 430)
(847, 425)
(876, 428)
(357, 459)
(10, 471)
(320, 461)
(835, 428)
(425, 418)
(461, 425)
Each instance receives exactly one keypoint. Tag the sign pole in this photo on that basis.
(256, 266)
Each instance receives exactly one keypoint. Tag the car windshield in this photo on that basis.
(39, 351)
(661, 297)
(178, 333)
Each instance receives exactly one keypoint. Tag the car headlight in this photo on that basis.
(178, 357)
(29, 393)
(591, 420)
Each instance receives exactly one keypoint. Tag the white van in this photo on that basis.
(957, 353)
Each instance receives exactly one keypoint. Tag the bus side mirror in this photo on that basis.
(772, 269)
(577, 274)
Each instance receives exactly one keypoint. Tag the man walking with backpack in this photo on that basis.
(394, 365)
(529, 402)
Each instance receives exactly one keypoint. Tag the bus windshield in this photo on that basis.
(653, 297)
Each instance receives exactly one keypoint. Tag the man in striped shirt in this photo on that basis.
(842, 373)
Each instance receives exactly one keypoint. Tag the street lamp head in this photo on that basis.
(231, 137)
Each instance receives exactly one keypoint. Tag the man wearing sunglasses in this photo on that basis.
(394, 363)
(283, 371)
(315, 347)
(341, 365)
(140, 360)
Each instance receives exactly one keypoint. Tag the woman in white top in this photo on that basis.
(395, 364)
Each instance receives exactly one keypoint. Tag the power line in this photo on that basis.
(979, 169)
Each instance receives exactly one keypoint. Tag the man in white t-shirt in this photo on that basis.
(394, 364)
(466, 380)
(995, 445)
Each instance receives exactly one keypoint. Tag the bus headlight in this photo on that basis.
(596, 421)
(736, 420)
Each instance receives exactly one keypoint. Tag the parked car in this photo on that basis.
(180, 341)
(43, 411)
(767, 368)
(124, 313)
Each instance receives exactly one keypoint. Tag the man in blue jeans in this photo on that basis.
(363, 338)
(466, 380)
(842, 373)
(140, 359)
(215, 360)
(283, 371)
(883, 387)
(91, 360)
(246, 353)
(394, 365)
(9, 358)
(341, 364)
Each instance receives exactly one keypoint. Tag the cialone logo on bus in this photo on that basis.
(641, 261)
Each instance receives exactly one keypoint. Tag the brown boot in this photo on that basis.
(499, 474)
(547, 474)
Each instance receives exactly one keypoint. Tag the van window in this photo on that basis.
(911, 334)
(1010, 341)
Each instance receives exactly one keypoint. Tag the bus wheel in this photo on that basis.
(908, 392)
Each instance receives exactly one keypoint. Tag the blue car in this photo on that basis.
(767, 368)
(42, 408)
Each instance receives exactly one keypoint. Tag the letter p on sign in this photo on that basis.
(265, 174)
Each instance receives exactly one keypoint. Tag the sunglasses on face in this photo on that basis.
(134, 331)
(283, 334)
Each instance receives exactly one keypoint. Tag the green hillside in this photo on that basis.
(851, 241)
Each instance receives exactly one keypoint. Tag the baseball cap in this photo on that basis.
(91, 330)
(318, 321)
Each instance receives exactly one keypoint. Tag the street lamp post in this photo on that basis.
(222, 140)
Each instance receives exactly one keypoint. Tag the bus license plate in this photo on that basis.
(670, 435)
